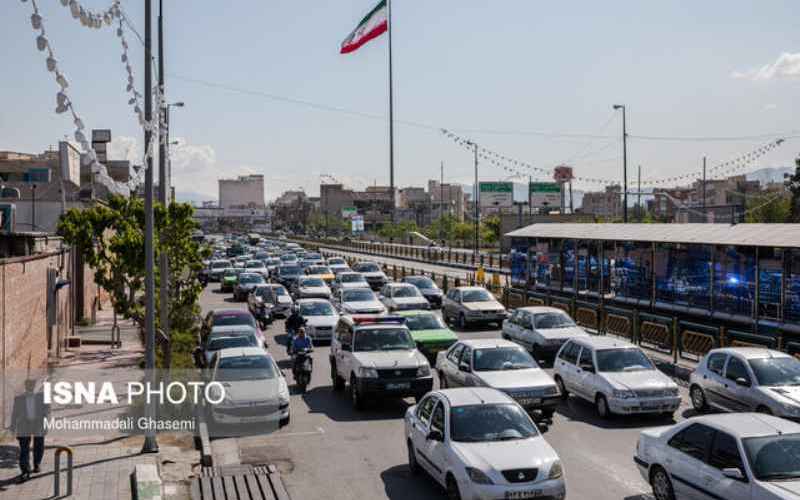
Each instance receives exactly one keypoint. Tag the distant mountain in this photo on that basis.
(769, 174)
(192, 197)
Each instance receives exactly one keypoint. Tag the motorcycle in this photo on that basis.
(264, 316)
(302, 367)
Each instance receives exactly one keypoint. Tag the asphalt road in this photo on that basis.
(331, 451)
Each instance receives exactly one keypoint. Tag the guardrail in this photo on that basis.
(57, 471)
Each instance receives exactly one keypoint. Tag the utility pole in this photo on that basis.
(33, 207)
(704, 187)
(441, 202)
(150, 443)
(624, 162)
(163, 180)
(391, 111)
(476, 199)
(639, 192)
(530, 195)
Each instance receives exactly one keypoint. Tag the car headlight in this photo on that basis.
(478, 476)
(551, 391)
(672, 391)
(556, 471)
(424, 371)
(623, 394)
(367, 372)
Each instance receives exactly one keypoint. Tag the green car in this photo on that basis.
(429, 332)
(229, 279)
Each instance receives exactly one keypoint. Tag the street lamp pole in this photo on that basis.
(624, 162)
(475, 192)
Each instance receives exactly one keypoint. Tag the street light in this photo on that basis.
(624, 162)
(475, 192)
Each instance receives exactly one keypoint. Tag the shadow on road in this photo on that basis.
(400, 484)
(337, 406)
(578, 410)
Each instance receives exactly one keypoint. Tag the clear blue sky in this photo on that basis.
(682, 68)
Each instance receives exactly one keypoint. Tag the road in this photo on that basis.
(331, 451)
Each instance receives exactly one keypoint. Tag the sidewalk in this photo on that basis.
(102, 464)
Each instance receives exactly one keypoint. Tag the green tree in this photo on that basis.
(397, 231)
(442, 228)
(490, 229)
(794, 187)
(769, 208)
(463, 231)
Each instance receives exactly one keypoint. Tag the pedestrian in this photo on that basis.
(27, 422)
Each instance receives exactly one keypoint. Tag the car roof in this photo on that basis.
(746, 425)
(232, 329)
(488, 343)
(400, 285)
(602, 342)
(541, 309)
(234, 352)
(467, 288)
(230, 312)
(752, 352)
(312, 301)
(467, 396)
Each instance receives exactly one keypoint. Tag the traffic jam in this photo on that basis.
(482, 406)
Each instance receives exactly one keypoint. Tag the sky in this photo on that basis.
(267, 91)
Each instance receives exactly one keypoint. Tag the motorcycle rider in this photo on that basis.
(293, 323)
(299, 343)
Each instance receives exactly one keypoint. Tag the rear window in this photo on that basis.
(234, 319)
(368, 268)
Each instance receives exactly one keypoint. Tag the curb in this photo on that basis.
(146, 483)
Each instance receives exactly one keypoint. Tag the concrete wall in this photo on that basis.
(244, 191)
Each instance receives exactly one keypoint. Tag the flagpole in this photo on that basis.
(391, 110)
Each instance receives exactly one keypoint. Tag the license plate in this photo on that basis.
(514, 495)
(529, 401)
(400, 385)
(649, 405)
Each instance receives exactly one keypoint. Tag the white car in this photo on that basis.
(358, 301)
(348, 280)
(320, 316)
(255, 390)
(337, 265)
(373, 273)
(312, 288)
(614, 375)
(257, 266)
(470, 305)
(541, 330)
(502, 365)
(403, 297)
(738, 456)
(479, 444)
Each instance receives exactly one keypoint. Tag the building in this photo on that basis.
(447, 199)
(374, 204)
(415, 205)
(607, 203)
(720, 199)
(246, 191)
(291, 211)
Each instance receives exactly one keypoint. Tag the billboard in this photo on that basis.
(349, 212)
(545, 194)
(357, 223)
(70, 159)
(496, 194)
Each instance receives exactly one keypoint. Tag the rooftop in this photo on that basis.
(474, 396)
(746, 425)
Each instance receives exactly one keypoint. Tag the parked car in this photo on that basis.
(403, 297)
(245, 284)
(428, 289)
(358, 301)
(337, 265)
(349, 279)
(373, 274)
(320, 316)
(470, 305)
(741, 456)
(429, 332)
(377, 357)
(228, 317)
(479, 443)
(541, 330)
(255, 389)
(614, 375)
(747, 379)
(229, 279)
(503, 365)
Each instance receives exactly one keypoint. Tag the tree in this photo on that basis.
(769, 208)
(111, 239)
(490, 229)
(794, 187)
(397, 231)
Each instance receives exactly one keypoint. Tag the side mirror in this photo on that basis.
(742, 382)
(733, 473)
(346, 347)
(436, 435)
(464, 367)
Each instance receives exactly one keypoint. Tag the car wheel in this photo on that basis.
(764, 410)
(547, 414)
(662, 485)
(462, 321)
(452, 489)
(355, 397)
(338, 382)
(562, 388)
(698, 398)
(412, 459)
(442, 381)
(284, 421)
(601, 403)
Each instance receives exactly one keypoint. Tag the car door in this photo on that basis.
(433, 450)
(450, 365)
(736, 387)
(713, 379)
(462, 373)
(567, 361)
(685, 459)
(725, 454)
(420, 423)
(344, 349)
(586, 375)
(526, 333)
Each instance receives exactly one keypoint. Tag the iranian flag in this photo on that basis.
(372, 26)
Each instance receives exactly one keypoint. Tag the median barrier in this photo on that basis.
(587, 317)
(696, 340)
(737, 338)
(657, 332)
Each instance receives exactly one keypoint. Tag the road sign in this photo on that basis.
(357, 224)
(542, 193)
(496, 194)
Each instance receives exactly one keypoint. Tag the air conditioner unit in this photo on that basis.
(8, 217)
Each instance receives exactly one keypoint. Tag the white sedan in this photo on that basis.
(479, 444)
(359, 301)
(737, 456)
(312, 288)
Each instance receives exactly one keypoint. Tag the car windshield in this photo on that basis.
(316, 309)
(264, 292)
(490, 422)
(424, 322)
(220, 265)
(368, 268)
(383, 339)
(774, 458)
(336, 262)
(421, 283)
(546, 321)
(245, 368)
(404, 292)
(232, 341)
(251, 278)
(622, 360)
(776, 371)
(234, 319)
(352, 278)
(312, 282)
(290, 270)
(475, 296)
(502, 358)
(358, 296)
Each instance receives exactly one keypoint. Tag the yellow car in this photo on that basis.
(322, 272)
